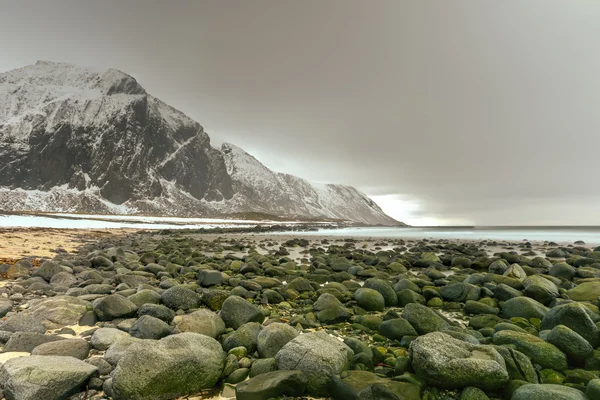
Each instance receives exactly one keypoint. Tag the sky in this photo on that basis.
(471, 112)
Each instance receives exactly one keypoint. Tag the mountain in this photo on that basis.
(78, 140)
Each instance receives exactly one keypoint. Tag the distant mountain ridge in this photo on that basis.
(77, 140)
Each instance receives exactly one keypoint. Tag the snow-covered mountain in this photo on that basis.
(78, 140)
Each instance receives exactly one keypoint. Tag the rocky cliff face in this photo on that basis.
(73, 139)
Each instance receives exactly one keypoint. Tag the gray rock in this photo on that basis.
(571, 343)
(157, 311)
(273, 337)
(180, 298)
(575, 316)
(369, 299)
(145, 296)
(540, 288)
(104, 368)
(236, 312)
(147, 327)
(368, 386)
(202, 321)
(329, 310)
(114, 306)
(272, 384)
(47, 270)
(77, 348)
(262, 366)
(424, 319)
(5, 307)
(397, 328)
(44, 377)
(383, 287)
(245, 336)
(318, 355)
(22, 322)
(27, 341)
(450, 363)
(103, 338)
(593, 389)
(524, 307)
(208, 278)
(174, 366)
(539, 351)
(117, 350)
(63, 279)
(548, 392)
(56, 312)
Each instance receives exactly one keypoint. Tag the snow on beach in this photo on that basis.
(77, 221)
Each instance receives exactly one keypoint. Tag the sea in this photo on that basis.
(564, 235)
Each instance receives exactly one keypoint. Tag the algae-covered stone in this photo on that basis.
(329, 310)
(43, 377)
(272, 385)
(359, 381)
(548, 392)
(524, 307)
(575, 316)
(585, 291)
(423, 319)
(446, 362)
(237, 311)
(571, 343)
(174, 366)
(540, 352)
(318, 355)
(369, 299)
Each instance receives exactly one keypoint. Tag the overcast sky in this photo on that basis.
(445, 112)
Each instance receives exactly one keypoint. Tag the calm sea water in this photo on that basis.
(562, 235)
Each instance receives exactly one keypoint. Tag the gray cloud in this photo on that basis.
(480, 112)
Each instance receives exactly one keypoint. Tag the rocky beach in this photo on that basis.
(179, 314)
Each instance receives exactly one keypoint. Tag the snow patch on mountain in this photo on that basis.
(75, 139)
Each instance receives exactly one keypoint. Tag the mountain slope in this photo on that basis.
(74, 139)
(264, 190)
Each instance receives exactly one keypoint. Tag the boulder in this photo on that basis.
(540, 352)
(446, 362)
(44, 377)
(202, 321)
(329, 310)
(114, 306)
(147, 327)
(272, 385)
(22, 322)
(27, 341)
(571, 343)
(585, 291)
(424, 319)
(273, 337)
(363, 382)
(245, 336)
(5, 306)
(369, 299)
(383, 287)
(575, 316)
(77, 348)
(236, 312)
(397, 328)
(548, 392)
(157, 311)
(540, 289)
(103, 338)
(174, 366)
(180, 298)
(319, 356)
(524, 307)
